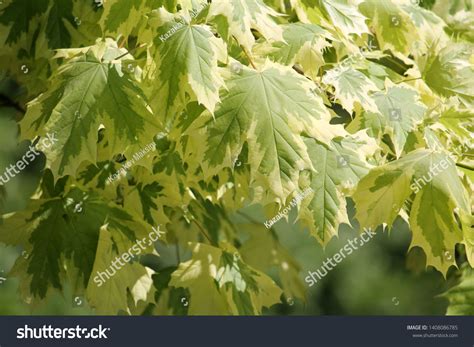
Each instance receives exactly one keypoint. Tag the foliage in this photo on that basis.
(245, 102)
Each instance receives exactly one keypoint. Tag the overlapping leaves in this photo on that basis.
(269, 110)
(248, 105)
(90, 90)
(439, 201)
(61, 233)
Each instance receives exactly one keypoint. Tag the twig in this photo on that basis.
(298, 70)
(130, 51)
(464, 166)
(178, 258)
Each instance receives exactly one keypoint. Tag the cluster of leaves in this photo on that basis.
(247, 102)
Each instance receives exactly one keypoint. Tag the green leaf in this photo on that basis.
(122, 17)
(56, 31)
(110, 297)
(303, 44)
(459, 121)
(393, 27)
(345, 17)
(20, 14)
(244, 15)
(220, 283)
(268, 109)
(461, 296)
(85, 234)
(429, 26)
(146, 197)
(263, 251)
(352, 87)
(89, 90)
(461, 25)
(449, 72)
(338, 166)
(399, 113)
(67, 228)
(438, 194)
(193, 52)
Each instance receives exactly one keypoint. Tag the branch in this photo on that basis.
(178, 258)
(130, 51)
(6, 101)
(465, 166)
(298, 70)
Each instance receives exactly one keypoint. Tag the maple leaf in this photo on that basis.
(461, 296)
(393, 27)
(208, 276)
(110, 297)
(268, 109)
(21, 13)
(303, 44)
(351, 87)
(345, 17)
(211, 108)
(338, 166)
(399, 111)
(89, 90)
(193, 51)
(449, 71)
(244, 15)
(74, 227)
(438, 192)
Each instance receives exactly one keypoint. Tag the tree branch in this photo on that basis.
(6, 101)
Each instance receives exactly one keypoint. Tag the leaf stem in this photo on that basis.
(121, 44)
(246, 53)
(250, 59)
(201, 229)
(408, 80)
